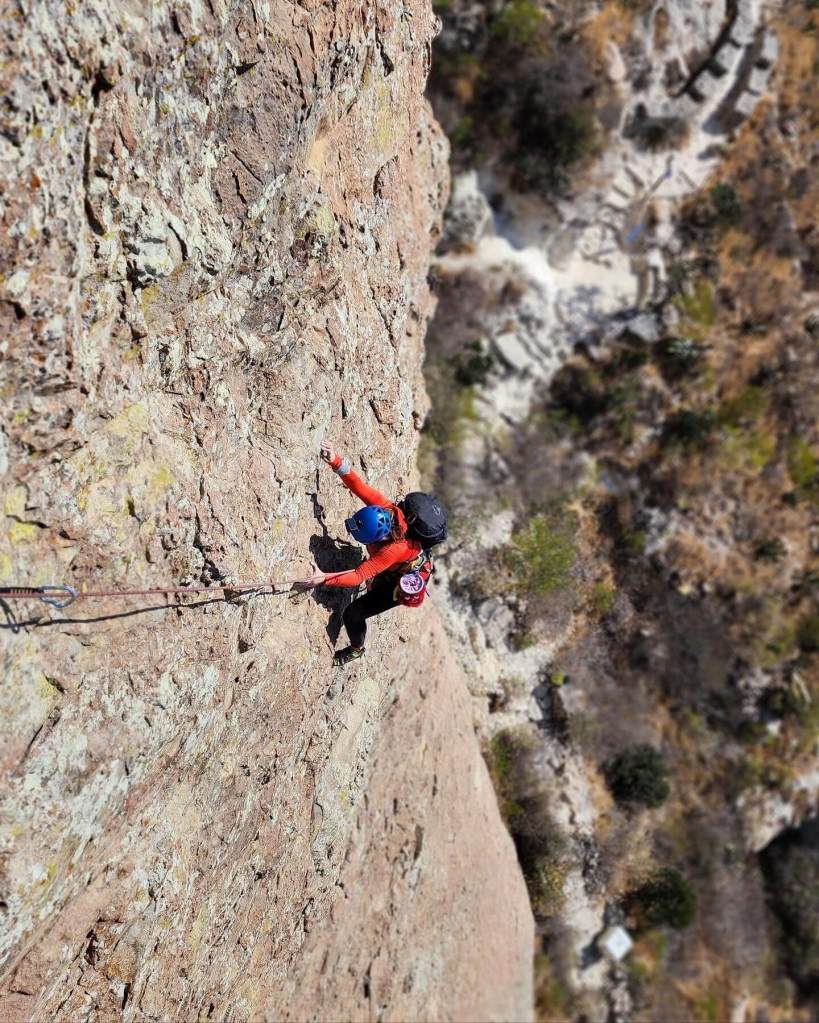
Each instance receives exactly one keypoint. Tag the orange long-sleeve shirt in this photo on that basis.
(385, 554)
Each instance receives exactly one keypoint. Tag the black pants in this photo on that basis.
(375, 602)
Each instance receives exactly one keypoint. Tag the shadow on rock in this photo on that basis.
(334, 556)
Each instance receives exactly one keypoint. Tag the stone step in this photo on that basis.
(758, 81)
(769, 54)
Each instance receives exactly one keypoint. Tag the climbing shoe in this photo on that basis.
(349, 653)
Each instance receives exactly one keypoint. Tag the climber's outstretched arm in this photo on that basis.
(353, 482)
(380, 561)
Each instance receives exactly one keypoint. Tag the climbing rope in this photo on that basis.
(61, 596)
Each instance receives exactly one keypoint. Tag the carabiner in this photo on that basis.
(69, 595)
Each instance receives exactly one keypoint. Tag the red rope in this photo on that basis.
(37, 592)
(180, 589)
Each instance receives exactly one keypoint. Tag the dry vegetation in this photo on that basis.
(512, 95)
(690, 570)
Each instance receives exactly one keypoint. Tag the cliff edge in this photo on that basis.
(216, 223)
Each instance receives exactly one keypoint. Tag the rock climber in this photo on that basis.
(398, 537)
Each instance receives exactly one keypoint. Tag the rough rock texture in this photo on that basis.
(216, 222)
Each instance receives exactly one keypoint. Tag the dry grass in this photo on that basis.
(612, 25)
(797, 67)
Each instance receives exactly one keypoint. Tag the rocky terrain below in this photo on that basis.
(216, 224)
(623, 373)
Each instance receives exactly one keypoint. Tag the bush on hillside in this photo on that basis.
(473, 365)
(667, 899)
(518, 24)
(771, 548)
(542, 553)
(553, 140)
(808, 634)
(727, 204)
(524, 804)
(638, 775)
(679, 357)
(689, 428)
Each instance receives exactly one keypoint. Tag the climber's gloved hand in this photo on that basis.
(327, 453)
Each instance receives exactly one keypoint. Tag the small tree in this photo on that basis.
(727, 204)
(771, 548)
(680, 357)
(666, 899)
(689, 428)
(638, 775)
(473, 365)
(542, 553)
(808, 634)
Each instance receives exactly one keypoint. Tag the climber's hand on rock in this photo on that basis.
(327, 453)
(316, 579)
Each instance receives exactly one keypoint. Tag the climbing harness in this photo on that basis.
(412, 583)
(61, 596)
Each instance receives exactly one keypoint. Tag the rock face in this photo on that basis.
(217, 223)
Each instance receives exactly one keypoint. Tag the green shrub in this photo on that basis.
(781, 702)
(727, 204)
(473, 365)
(579, 393)
(770, 549)
(749, 406)
(518, 23)
(523, 639)
(638, 775)
(802, 464)
(543, 552)
(712, 1006)
(699, 304)
(679, 273)
(657, 133)
(542, 851)
(689, 428)
(551, 141)
(552, 1000)
(546, 881)
(744, 449)
(771, 631)
(667, 899)
(755, 771)
(506, 759)
(602, 598)
(540, 845)
(808, 634)
(463, 134)
(680, 356)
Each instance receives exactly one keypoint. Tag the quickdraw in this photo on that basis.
(61, 596)
(56, 595)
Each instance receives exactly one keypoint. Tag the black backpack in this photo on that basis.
(426, 518)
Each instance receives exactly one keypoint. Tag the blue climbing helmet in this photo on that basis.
(370, 525)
